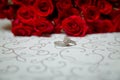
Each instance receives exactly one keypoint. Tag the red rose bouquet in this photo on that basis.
(73, 17)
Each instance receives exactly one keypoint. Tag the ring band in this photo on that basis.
(66, 42)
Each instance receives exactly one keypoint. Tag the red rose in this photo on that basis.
(23, 2)
(116, 22)
(27, 15)
(9, 12)
(58, 28)
(2, 14)
(74, 26)
(62, 16)
(114, 13)
(44, 7)
(57, 25)
(68, 13)
(91, 13)
(104, 6)
(63, 5)
(102, 26)
(3, 3)
(81, 3)
(20, 29)
(43, 26)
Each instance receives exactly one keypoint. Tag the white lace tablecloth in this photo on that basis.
(95, 57)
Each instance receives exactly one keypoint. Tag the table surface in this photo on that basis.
(95, 57)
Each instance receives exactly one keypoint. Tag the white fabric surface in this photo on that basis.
(95, 57)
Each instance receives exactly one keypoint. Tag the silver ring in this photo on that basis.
(65, 43)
